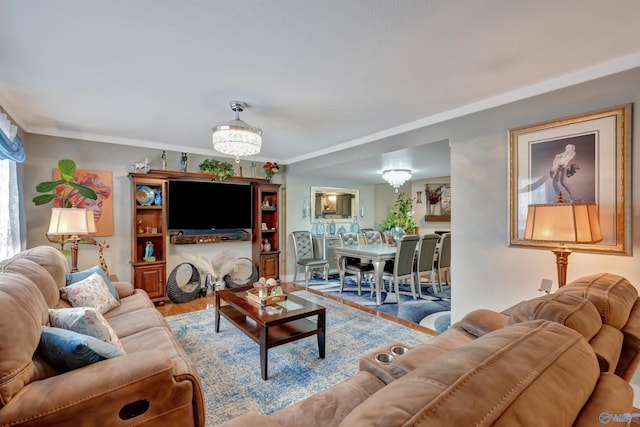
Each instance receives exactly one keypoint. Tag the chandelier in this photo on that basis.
(237, 138)
(396, 177)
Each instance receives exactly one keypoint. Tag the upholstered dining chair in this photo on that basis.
(372, 237)
(402, 268)
(426, 259)
(303, 248)
(354, 265)
(444, 260)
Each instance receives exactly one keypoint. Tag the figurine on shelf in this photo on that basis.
(266, 245)
(148, 252)
(164, 160)
(140, 227)
(184, 161)
(158, 199)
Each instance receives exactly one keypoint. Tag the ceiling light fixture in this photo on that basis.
(237, 138)
(396, 177)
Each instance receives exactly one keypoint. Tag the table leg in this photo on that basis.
(378, 267)
(322, 327)
(341, 264)
(217, 313)
(264, 351)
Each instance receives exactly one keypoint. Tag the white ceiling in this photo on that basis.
(318, 76)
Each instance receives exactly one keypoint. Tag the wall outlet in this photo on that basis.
(545, 285)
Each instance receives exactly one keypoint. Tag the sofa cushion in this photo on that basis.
(611, 294)
(508, 377)
(573, 311)
(66, 350)
(51, 259)
(86, 321)
(90, 292)
(22, 311)
(72, 278)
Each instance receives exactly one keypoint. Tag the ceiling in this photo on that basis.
(318, 76)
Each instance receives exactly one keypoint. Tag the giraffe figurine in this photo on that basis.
(103, 263)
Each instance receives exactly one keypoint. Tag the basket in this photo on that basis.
(253, 296)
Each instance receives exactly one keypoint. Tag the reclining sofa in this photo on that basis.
(563, 359)
(153, 384)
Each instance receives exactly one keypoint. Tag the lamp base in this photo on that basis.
(74, 253)
(562, 261)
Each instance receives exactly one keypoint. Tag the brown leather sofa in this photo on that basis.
(153, 384)
(559, 360)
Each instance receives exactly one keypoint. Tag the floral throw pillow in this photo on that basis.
(90, 292)
(86, 321)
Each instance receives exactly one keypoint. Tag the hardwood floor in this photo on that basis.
(172, 309)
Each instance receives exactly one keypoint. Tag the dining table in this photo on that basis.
(376, 254)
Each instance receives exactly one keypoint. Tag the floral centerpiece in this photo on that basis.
(270, 169)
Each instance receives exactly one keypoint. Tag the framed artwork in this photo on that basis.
(438, 199)
(102, 183)
(587, 158)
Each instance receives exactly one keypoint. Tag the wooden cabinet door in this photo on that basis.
(151, 279)
(269, 266)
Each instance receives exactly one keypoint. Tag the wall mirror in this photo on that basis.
(335, 204)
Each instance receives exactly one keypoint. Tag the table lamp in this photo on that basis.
(562, 223)
(73, 222)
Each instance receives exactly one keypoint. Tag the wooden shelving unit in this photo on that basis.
(267, 227)
(151, 275)
(149, 226)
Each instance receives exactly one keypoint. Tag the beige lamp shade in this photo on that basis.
(563, 223)
(72, 221)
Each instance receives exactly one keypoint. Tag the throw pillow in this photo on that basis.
(86, 321)
(66, 350)
(90, 292)
(72, 278)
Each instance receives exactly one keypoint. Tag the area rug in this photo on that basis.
(229, 362)
(433, 311)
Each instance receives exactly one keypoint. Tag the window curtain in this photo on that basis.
(12, 223)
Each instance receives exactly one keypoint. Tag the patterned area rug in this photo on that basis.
(433, 311)
(229, 362)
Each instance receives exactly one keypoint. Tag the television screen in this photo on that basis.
(208, 205)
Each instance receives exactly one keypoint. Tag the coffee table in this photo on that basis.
(273, 325)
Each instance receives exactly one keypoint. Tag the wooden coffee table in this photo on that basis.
(274, 325)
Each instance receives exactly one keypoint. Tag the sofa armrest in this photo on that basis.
(96, 394)
(251, 419)
(481, 322)
(124, 289)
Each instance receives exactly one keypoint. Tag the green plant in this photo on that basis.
(68, 182)
(401, 215)
(222, 169)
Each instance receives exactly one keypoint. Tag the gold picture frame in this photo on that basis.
(588, 158)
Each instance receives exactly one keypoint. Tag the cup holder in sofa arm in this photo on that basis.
(379, 361)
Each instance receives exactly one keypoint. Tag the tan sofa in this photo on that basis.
(559, 360)
(155, 383)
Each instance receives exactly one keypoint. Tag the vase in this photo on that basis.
(267, 247)
(433, 208)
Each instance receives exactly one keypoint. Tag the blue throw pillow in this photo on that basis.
(72, 278)
(67, 350)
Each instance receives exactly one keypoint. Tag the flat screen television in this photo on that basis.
(208, 206)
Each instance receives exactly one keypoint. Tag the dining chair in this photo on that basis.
(426, 259)
(305, 259)
(402, 268)
(444, 260)
(355, 265)
(372, 237)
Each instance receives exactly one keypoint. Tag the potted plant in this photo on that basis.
(67, 179)
(401, 215)
(221, 169)
(434, 195)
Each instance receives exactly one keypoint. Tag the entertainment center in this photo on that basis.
(171, 207)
